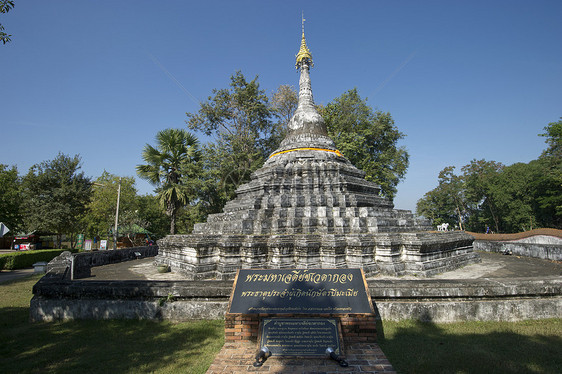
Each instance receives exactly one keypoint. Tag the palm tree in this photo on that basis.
(175, 150)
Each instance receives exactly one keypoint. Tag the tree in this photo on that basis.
(551, 159)
(10, 198)
(553, 136)
(480, 176)
(166, 167)
(284, 102)
(432, 207)
(513, 195)
(100, 219)
(368, 139)
(507, 198)
(55, 196)
(220, 174)
(239, 120)
(5, 6)
(192, 214)
(453, 187)
(469, 200)
(546, 184)
(151, 213)
(446, 203)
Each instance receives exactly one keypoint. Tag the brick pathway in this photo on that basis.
(238, 357)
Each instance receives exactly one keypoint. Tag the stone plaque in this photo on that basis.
(300, 336)
(300, 291)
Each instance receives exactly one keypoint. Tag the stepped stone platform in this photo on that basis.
(219, 256)
(309, 207)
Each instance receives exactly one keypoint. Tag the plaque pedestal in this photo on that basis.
(355, 328)
(262, 297)
(300, 312)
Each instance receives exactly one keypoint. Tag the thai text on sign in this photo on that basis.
(300, 291)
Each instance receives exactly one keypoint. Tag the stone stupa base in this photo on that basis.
(200, 256)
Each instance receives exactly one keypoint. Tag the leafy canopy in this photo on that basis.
(447, 202)
(151, 216)
(239, 119)
(368, 139)
(553, 135)
(284, 102)
(552, 161)
(167, 165)
(55, 195)
(10, 198)
(5, 6)
(510, 198)
(100, 219)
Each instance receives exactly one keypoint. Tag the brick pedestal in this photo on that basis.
(360, 349)
(355, 328)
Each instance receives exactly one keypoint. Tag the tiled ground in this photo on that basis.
(238, 357)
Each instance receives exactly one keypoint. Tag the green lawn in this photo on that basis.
(126, 346)
(118, 346)
(474, 347)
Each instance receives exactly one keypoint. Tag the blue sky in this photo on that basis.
(462, 79)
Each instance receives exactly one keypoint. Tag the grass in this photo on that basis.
(533, 346)
(116, 346)
(127, 346)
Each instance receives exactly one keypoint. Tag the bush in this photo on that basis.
(21, 260)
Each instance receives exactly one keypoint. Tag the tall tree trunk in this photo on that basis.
(173, 223)
(72, 242)
(460, 217)
(493, 217)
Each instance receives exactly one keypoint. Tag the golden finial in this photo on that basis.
(304, 53)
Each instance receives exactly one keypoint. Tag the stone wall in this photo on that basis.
(551, 252)
(541, 239)
(467, 300)
(56, 298)
(78, 265)
(59, 299)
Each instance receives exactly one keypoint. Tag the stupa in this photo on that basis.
(309, 207)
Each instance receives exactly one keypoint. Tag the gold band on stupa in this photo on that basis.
(308, 149)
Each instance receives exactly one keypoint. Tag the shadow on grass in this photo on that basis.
(115, 346)
(474, 347)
